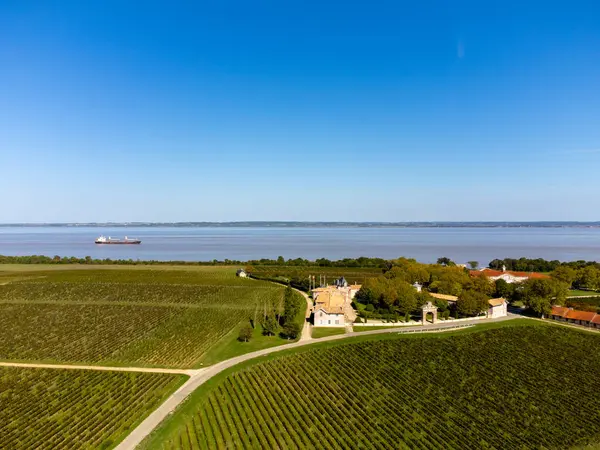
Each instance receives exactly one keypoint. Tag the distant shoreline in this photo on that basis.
(283, 224)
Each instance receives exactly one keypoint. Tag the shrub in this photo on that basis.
(291, 330)
(245, 333)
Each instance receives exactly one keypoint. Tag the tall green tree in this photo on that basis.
(564, 274)
(483, 284)
(445, 261)
(245, 333)
(449, 280)
(589, 277)
(473, 264)
(409, 270)
(406, 297)
(291, 330)
(503, 289)
(540, 294)
(292, 304)
(471, 303)
(270, 325)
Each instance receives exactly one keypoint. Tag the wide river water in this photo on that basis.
(205, 244)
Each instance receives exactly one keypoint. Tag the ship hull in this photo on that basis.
(118, 243)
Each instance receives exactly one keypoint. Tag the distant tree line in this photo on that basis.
(362, 262)
(40, 259)
(538, 264)
(521, 264)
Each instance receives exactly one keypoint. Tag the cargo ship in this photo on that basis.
(111, 240)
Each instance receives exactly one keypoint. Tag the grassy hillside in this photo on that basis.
(512, 385)
(127, 316)
(59, 409)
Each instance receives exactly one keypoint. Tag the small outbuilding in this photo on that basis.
(241, 273)
(580, 317)
(559, 312)
(498, 308)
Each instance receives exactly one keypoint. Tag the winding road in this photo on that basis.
(200, 376)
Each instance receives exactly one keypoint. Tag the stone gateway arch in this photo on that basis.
(429, 308)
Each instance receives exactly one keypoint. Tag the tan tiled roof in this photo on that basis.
(496, 301)
(323, 289)
(323, 297)
(449, 298)
(559, 311)
(331, 302)
(329, 309)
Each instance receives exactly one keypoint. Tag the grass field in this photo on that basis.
(359, 328)
(60, 409)
(128, 315)
(578, 292)
(584, 303)
(516, 384)
(319, 332)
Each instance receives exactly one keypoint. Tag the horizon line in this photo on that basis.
(297, 222)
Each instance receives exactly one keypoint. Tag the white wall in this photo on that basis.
(322, 319)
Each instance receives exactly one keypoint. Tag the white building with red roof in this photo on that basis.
(510, 276)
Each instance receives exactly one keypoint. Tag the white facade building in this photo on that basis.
(330, 309)
(498, 308)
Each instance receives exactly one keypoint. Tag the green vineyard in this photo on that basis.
(60, 409)
(126, 317)
(510, 387)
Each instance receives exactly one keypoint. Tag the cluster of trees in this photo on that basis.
(536, 294)
(284, 319)
(394, 291)
(390, 296)
(586, 277)
(538, 264)
(322, 262)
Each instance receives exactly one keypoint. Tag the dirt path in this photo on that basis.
(307, 328)
(159, 414)
(105, 368)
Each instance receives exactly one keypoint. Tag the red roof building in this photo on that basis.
(581, 316)
(508, 275)
(587, 318)
(559, 311)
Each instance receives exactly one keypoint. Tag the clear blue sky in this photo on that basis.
(299, 110)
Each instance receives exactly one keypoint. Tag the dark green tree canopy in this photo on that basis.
(471, 303)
